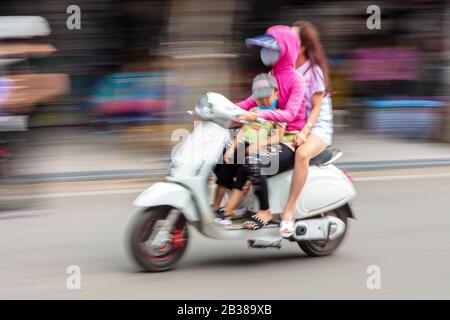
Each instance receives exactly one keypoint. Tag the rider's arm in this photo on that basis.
(318, 89)
(271, 140)
(237, 137)
(233, 145)
(280, 130)
(247, 104)
(316, 105)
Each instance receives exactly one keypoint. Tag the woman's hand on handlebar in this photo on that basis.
(235, 123)
(249, 116)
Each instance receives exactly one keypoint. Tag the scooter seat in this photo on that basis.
(329, 153)
(321, 158)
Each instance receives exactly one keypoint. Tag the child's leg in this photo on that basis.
(285, 159)
(224, 180)
(264, 215)
(235, 197)
(237, 192)
(261, 192)
(220, 192)
(225, 174)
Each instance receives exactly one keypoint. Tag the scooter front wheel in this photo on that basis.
(150, 253)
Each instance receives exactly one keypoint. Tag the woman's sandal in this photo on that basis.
(286, 228)
(255, 223)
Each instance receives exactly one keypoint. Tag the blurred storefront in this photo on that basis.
(143, 63)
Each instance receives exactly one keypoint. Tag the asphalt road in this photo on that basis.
(403, 228)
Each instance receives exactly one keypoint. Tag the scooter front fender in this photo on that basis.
(168, 194)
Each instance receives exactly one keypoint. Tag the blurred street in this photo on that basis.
(62, 154)
(399, 228)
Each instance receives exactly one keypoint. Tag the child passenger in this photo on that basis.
(261, 142)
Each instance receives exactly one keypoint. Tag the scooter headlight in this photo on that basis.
(204, 107)
(173, 167)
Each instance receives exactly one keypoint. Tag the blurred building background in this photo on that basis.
(136, 66)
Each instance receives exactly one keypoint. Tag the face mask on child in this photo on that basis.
(271, 107)
(269, 56)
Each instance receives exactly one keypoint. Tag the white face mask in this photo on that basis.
(269, 56)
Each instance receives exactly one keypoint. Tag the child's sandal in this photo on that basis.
(255, 223)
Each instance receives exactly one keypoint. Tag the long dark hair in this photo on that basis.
(310, 39)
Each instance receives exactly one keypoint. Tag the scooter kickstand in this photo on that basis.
(328, 235)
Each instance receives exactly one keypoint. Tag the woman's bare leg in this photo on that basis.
(311, 148)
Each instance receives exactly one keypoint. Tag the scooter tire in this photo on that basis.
(319, 248)
(141, 228)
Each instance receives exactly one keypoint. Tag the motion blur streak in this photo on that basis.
(83, 112)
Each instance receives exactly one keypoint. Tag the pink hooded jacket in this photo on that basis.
(291, 107)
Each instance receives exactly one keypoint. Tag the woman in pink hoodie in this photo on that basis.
(291, 84)
(279, 49)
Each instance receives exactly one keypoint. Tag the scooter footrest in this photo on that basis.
(261, 244)
(240, 226)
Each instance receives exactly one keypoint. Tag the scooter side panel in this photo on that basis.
(326, 188)
(166, 193)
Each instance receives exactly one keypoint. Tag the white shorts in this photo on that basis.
(324, 134)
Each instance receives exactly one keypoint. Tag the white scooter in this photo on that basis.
(158, 234)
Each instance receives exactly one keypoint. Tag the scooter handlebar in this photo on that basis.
(261, 120)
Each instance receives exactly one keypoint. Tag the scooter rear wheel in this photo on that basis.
(161, 258)
(321, 248)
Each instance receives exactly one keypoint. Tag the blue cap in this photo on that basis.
(263, 41)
